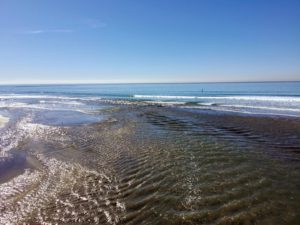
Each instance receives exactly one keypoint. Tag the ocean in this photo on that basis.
(274, 98)
(205, 153)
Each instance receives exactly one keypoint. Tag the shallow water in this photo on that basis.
(144, 164)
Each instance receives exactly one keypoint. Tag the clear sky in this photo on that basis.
(66, 41)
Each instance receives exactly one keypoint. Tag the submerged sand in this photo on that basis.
(155, 165)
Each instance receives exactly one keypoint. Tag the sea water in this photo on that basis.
(272, 98)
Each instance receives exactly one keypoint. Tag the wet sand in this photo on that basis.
(157, 165)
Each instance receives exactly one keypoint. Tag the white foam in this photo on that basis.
(47, 105)
(19, 96)
(10, 138)
(207, 103)
(283, 105)
(165, 103)
(4, 104)
(3, 121)
(62, 102)
(165, 96)
(247, 98)
(255, 111)
(264, 108)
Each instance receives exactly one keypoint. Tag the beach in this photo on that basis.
(150, 112)
(72, 159)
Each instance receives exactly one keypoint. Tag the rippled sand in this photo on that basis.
(154, 165)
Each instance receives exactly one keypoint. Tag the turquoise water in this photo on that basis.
(275, 98)
(129, 90)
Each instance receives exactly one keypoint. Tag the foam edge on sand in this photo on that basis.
(3, 121)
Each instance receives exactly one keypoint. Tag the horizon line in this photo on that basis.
(132, 82)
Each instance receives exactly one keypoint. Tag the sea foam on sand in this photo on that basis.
(3, 121)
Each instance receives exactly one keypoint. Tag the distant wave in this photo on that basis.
(247, 98)
(165, 96)
(255, 112)
(238, 98)
(264, 108)
(272, 105)
(18, 96)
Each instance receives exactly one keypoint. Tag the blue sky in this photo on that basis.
(60, 41)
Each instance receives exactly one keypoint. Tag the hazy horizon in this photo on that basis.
(87, 82)
(137, 82)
